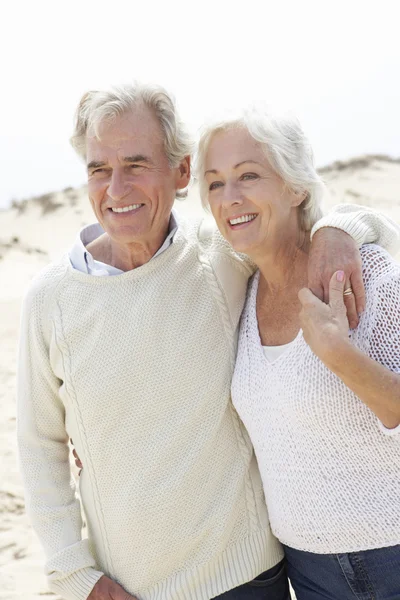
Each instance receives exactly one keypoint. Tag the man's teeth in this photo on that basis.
(126, 208)
(244, 219)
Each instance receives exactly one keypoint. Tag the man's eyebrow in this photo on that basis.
(94, 164)
(254, 162)
(137, 158)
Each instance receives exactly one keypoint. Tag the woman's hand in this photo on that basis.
(326, 331)
(325, 326)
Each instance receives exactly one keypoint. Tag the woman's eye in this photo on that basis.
(214, 185)
(248, 176)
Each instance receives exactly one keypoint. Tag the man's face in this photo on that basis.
(131, 186)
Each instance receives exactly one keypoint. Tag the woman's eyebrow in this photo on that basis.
(253, 162)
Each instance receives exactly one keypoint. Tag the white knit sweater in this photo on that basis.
(330, 470)
(136, 369)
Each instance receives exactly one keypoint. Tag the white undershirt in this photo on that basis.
(271, 353)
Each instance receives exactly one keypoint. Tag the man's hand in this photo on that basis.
(333, 250)
(78, 461)
(107, 589)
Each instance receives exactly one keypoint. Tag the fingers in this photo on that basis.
(316, 288)
(106, 588)
(351, 309)
(336, 289)
(307, 298)
(357, 284)
(77, 459)
(118, 593)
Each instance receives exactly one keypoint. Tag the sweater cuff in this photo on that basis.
(76, 586)
(349, 223)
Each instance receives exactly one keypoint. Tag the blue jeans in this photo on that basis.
(271, 585)
(369, 575)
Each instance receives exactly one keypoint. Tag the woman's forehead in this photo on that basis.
(232, 147)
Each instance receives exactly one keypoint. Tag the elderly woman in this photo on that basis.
(321, 402)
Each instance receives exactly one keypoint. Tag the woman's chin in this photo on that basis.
(242, 246)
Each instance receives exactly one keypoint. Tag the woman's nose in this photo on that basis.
(231, 195)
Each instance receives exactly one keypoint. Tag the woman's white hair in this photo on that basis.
(287, 150)
(97, 107)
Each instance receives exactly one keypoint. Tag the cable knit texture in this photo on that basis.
(330, 469)
(136, 369)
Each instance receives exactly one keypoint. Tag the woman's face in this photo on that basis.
(253, 207)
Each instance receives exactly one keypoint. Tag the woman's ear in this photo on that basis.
(299, 197)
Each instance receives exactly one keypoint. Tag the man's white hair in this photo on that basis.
(287, 150)
(103, 106)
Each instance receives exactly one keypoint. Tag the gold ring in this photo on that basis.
(348, 292)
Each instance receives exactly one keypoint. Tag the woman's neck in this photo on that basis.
(286, 265)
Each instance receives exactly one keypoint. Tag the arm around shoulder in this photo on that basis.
(364, 225)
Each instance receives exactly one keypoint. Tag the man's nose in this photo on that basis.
(118, 187)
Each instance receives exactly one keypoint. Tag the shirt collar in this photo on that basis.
(81, 259)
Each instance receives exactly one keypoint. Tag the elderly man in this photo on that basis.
(128, 346)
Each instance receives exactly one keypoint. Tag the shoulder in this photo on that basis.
(214, 245)
(227, 271)
(43, 286)
(378, 265)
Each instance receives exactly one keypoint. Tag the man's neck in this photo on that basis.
(123, 256)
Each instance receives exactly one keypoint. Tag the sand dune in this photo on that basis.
(36, 231)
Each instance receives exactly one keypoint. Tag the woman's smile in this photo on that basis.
(241, 221)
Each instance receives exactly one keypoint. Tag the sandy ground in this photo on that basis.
(38, 231)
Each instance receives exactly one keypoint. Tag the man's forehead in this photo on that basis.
(137, 123)
(128, 135)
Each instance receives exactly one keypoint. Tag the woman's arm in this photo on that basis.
(325, 329)
(374, 384)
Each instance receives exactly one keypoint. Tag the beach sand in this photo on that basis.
(39, 230)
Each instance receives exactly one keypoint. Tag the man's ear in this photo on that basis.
(184, 173)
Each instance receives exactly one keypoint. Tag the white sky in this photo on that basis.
(336, 63)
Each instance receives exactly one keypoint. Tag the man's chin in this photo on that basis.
(124, 235)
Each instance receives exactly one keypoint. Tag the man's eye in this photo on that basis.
(135, 167)
(214, 185)
(99, 170)
(248, 176)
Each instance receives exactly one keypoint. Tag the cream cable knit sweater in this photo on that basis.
(136, 368)
(330, 469)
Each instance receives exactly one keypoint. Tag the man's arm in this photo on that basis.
(364, 225)
(51, 501)
(335, 242)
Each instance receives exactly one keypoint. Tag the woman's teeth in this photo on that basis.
(126, 208)
(244, 219)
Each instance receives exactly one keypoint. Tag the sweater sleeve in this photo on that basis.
(382, 279)
(51, 501)
(365, 226)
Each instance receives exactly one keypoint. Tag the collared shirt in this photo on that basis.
(83, 261)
